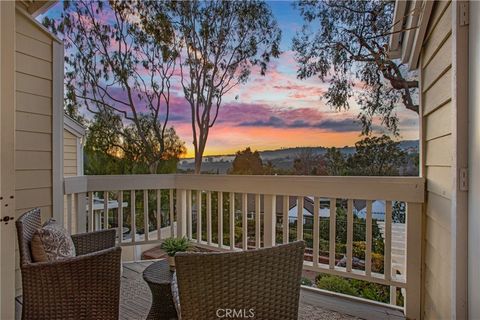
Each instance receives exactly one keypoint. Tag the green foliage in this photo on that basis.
(374, 156)
(353, 287)
(247, 162)
(306, 282)
(126, 87)
(346, 43)
(335, 284)
(173, 245)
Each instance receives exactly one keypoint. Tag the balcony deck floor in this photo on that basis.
(135, 301)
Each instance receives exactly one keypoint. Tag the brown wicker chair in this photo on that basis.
(261, 284)
(84, 287)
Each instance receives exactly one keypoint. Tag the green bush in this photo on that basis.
(174, 245)
(335, 284)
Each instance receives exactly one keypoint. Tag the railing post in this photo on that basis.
(269, 204)
(181, 213)
(81, 210)
(414, 261)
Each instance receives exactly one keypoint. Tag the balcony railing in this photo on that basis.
(227, 212)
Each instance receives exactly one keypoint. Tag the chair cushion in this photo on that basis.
(51, 242)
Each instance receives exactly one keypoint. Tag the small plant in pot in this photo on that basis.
(172, 246)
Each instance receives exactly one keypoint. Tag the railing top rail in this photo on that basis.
(408, 189)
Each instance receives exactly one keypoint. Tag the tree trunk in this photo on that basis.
(198, 162)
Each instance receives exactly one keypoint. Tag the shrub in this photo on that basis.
(173, 245)
(335, 284)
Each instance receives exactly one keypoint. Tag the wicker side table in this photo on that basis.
(159, 278)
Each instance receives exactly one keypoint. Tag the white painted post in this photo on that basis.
(133, 215)
(332, 240)
(90, 212)
(181, 213)
(69, 213)
(105, 210)
(120, 216)
(368, 250)
(172, 216)
(209, 217)
(349, 234)
(189, 214)
(199, 215)
(414, 260)
(258, 239)
(159, 214)
(388, 241)
(145, 214)
(220, 218)
(244, 221)
(232, 220)
(286, 221)
(316, 231)
(269, 204)
(81, 202)
(300, 218)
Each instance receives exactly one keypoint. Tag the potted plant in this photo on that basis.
(173, 245)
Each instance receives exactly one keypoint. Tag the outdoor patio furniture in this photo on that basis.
(159, 279)
(258, 284)
(84, 287)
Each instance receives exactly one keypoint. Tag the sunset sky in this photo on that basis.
(277, 110)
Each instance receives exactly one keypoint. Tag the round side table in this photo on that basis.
(159, 279)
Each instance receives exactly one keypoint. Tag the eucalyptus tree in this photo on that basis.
(222, 43)
(115, 66)
(345, 43)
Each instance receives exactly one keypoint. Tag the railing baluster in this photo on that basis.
(133, 215)
(172, 217)
(300, 218)
(189, 214)
(349, 234)
(286, 221)
(90, 212)
(316, 240)
(220, 218)
(269, 220)
(199, 216)
(81, 205)
(145, 214)
(120, 216)
(368, 249)
(388, 241)
(209, 217)
(69, 213)
(244, 221)
(105, 209)
(332, 236)
(159, 214)
(232, 220)
(181, 207)
(257, 221)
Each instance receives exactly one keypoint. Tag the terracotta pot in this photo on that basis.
(171, 262)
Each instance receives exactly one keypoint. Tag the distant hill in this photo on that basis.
(281, 158)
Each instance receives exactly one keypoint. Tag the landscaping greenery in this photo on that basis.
(173, 245)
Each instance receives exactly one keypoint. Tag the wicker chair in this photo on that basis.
(84, 287)
(260, 284)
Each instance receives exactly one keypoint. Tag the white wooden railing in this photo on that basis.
(174, 202)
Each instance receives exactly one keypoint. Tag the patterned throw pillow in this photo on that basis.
(52, 242)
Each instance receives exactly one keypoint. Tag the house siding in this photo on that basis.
(436, 96)
(70, 167)
(33, 121)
